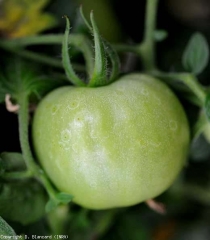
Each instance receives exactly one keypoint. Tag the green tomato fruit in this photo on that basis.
(112, 146)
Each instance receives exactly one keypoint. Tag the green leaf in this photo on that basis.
(196, 54)
(64, 197)
(51, 205)
(13, 161)
(21, 77)
(3, 90)
(2, 167)
(5, 229)
(200, 149)
(160, 35)
(22, 201)
(61, 198)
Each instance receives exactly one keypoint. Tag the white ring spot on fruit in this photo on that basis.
(65, 138)
(54, 109)
(93, 134)
(73, 105)
(74, 147)
(173, 125)
(144, 92)
(154, 144)
(65, 135)
(118, 92)
(120, 89)
(157, 99)
(77, 123)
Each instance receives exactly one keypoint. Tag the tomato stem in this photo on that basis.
(23, 119)
(193, 191)
(105, 222)
(192, 82)
(125, 48)
(17, 175)
(146, 49)
(189, 80)
(78, 40)
(34, 169)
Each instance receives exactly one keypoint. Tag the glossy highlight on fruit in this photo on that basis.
(112, 146)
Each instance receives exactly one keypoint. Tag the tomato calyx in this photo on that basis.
(104, 55)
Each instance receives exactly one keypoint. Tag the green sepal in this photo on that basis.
(84, 19)
(107, 49)
(115, 61)
(99, 76)
(71, 75)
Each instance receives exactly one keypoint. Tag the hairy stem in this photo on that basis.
(193, 84)
(32, 166)
(23, 131)
(77, 40)
(147, 48)
(189, 80)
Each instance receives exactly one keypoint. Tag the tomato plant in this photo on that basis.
(103, 127)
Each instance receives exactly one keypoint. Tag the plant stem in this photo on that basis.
(38, 57)
(192, 82)
(147, 48)
(77, 40)
(32, 166)
(189, 80)
(196, 192)
(23, 131)
(17, 175)
(105, 222)
(125, 48)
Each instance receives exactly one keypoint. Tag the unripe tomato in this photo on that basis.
(112, 146)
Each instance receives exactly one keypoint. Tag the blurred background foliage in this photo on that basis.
(188, 200)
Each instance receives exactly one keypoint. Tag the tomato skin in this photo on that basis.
(112, 146)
